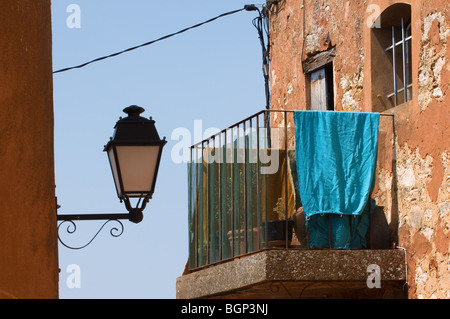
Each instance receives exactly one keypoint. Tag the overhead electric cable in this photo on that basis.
(246, 7)
(261, 24)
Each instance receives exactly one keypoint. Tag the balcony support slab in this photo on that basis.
(294, 273)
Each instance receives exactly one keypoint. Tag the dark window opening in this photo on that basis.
(318, 71)
(400, 54)
(391, 54)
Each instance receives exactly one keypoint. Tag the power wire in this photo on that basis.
(261, 23)
(251, 7)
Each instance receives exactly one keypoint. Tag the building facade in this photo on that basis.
(28, 237)
(413, 174)
(383, 56)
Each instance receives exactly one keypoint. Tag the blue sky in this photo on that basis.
(212, 73)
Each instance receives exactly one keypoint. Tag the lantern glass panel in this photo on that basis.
(112, 161)
(137, 168)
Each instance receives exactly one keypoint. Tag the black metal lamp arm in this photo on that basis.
(134, 215)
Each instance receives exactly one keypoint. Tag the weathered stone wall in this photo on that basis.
(413, 176)
(326, 24)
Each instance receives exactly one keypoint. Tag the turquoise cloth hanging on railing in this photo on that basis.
(336, 155)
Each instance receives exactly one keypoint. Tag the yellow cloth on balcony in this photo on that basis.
(277, 187)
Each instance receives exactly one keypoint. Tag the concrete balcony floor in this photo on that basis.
(295, 273)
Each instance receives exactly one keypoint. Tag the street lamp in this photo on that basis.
(134, 153)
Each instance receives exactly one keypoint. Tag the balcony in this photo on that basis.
(248, 235)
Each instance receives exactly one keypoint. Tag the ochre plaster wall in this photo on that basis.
(413, 176)
(28, 238)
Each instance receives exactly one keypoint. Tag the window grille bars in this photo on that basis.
(405, 62)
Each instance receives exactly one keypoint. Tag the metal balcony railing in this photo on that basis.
(242, 190)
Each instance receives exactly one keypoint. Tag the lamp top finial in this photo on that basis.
(133, 110)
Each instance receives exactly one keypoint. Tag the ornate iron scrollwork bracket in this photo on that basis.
(72, 227)
(134, 215)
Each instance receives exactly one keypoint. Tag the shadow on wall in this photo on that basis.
(276, 6)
